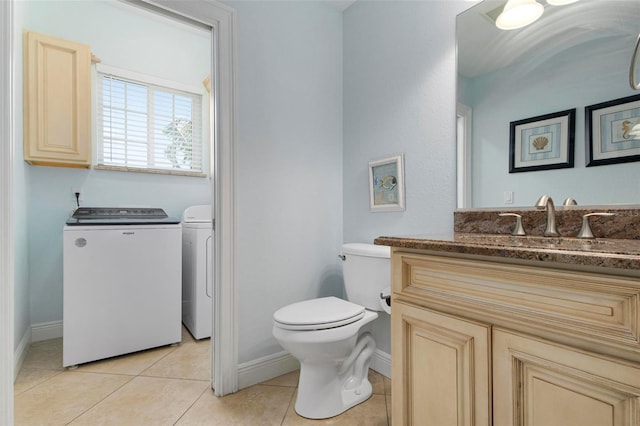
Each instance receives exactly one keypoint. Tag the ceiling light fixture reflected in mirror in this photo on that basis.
(518, 14)
(560, 2)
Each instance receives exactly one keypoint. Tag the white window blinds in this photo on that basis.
(148, 126)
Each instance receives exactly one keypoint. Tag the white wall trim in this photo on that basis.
(225, 318)
(270, 366)
(464, 126)
(222, 20)
(381, 362)
(266, 368)
(6, 213)
(46, 331)
(21, 353)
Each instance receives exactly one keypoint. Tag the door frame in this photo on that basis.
(6, 213)
(222, 21)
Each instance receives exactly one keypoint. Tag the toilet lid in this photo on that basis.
(318, 314)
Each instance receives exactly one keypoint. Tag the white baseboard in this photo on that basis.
(381, 362)
(20, 353)
(269, 367)
(265, 368)
(35, 333)
(46, 331)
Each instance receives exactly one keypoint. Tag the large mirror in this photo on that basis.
(574, 56)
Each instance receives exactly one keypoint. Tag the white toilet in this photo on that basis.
(329, 338)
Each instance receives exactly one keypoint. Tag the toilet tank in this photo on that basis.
(367, 271)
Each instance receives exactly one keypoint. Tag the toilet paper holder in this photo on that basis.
(386, 298)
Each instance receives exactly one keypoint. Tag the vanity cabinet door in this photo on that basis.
(57, 101)
(539, 383)
(441, 368)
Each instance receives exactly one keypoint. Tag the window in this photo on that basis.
(147, 126)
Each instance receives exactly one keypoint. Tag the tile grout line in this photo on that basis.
(191, 406)
(63, 370)
(132, 377)
(386, 407)
(291, 401)
(175, 348)
(101, 400)
(173, 378)
(36, 384)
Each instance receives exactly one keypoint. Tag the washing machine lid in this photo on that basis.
(318, 314)
(197, 214)
(368, 250)
(93, 216)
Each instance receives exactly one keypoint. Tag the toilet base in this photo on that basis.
(353, 397)
(330, 387)
(322, 393)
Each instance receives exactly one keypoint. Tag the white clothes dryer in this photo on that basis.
(197, 270)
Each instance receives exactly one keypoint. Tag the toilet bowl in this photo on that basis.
(330, 336)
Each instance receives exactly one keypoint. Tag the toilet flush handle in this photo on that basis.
(343, 257)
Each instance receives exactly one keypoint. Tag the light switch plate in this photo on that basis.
(508, 197)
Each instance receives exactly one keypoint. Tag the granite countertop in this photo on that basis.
(601, 253)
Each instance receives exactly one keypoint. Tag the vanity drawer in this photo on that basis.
(595, 311)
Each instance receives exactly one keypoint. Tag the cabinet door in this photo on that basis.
(539, 383)
(57, 101)
(440, 369)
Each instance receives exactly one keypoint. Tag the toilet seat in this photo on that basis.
(318, 314)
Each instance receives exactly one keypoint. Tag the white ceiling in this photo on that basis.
(483, 48)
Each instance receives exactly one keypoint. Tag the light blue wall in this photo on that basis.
(574, 79)
(180, 55)
(289, 146)
(399, 97)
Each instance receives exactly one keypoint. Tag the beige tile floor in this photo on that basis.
(164, 386)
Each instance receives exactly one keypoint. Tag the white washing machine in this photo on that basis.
(197, 270)
(121, 280)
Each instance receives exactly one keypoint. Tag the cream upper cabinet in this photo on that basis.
(481, 342)
(57, 101)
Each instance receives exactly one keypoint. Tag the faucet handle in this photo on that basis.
(570, 202)
(585, 230)
(518, 229)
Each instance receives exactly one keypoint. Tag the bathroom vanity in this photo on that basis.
(492, 329)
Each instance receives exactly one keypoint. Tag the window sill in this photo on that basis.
(151, 171)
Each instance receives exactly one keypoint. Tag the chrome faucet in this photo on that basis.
(546, 203)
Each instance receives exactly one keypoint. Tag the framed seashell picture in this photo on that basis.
(386, 184)
(544, 142)
(613, 131)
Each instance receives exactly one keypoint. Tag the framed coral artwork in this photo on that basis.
(386, 184)
(613, 131)
(542, 143)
